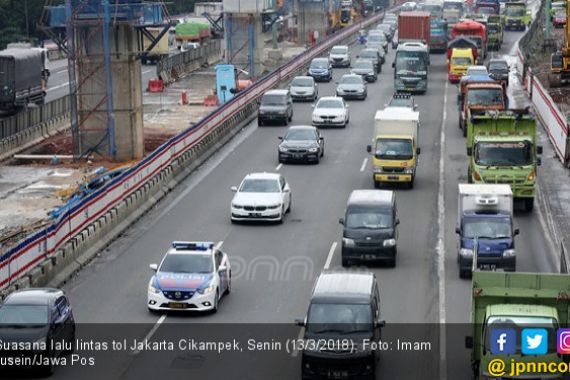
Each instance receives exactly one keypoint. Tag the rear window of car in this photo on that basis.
(273, 100)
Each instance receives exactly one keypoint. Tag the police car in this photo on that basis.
(192, 276)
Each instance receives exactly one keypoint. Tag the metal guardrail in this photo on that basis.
(30, 117)
(563, 257)
(171, 68)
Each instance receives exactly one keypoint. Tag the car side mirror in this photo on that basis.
(321, 138)
(280, 138)
(397, 221)
(458, 230)
(393, 64)
(234, 189)
(222, 268)
(379, 323)
(341, 221)
(469, 151)
(539, 149)
(369, 148)
(154, 267)
(469, 342)
(312, 106)
(418, 150)
(517, 231)
(415, 107)
(300, 322)
(286, 190)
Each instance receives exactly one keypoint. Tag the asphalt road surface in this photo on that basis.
(275, 265)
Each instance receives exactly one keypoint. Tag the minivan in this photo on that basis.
(370, 227)
(275, 106)
(344, 311)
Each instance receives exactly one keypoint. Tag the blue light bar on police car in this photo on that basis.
(193, 245)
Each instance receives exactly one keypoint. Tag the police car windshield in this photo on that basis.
(23, 315)
(187, 263)
(259, 186)
(341, 318)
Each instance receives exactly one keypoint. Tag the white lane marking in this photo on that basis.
(146, 72)
(364, 164)
(152, 331)
(331, 254)
(58, 86)
(440, 248)
(278, 167)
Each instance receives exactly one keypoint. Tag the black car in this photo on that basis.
(499, 70)
(373, 55)
(275, 106)
(40, 318)
(365, 68)
(301, 143)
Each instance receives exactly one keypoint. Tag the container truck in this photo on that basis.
(505, 303)
(476, 32)
(485, 215)
(502, 148)
(414, 26)
(395, 147)
(438, 35)
(23, 77)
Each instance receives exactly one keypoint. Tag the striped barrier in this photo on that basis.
(18, 260)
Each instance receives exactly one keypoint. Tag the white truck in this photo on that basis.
(485, 226)
(395, 146)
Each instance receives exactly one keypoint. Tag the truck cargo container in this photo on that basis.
(475, 31)
(23, 77)
(414, 26)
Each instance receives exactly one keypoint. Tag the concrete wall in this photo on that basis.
(312, 17)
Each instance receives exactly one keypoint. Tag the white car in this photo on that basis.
(192, 276)
(330, 111)
(304, 88)
(477, 70)
(339, 56)
(261, 197)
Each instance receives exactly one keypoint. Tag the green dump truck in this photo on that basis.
(502, 148)
(503, 306)
(517, 17)
(494, 32)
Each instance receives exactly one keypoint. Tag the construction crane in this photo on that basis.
(560, 60)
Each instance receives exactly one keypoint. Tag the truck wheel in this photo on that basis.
(469, 177)
(529, 204)
(377, 184)
(464, 273)
(464, 129)
(345, 262)
(411, 183)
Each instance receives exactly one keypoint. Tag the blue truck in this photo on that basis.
(485, 219)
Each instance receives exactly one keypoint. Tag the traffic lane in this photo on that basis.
(58, 83)
(114, 270)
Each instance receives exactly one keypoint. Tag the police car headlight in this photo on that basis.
(509, 253)
(466, 252)
(152, 289)
(348, 242)
(207, 290)
(389, 242)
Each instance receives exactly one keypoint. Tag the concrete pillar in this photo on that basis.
(312, 17)
(127, 94)
(245, 42)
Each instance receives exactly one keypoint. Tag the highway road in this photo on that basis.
(275, 265)
(58, 84)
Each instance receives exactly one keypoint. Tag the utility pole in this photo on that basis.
(27, 19)
(274, 26)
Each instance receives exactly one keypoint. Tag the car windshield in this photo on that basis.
(260, 186)
(487, 227)
(515, 11)
(365, 219)
(351, 80)
(329, 103)
(517, 153)
(401, 102)
(498, 66)
(363, 65)
(486, 11)
(560, 14)
(320, 64)
(302, 82)
(339, 50)
(300, 135)
(23, 315)
(485, 97)
(273, 100)
(394, 149)
(369, 55)
(518, 323)
(413, 61)
(461, 61)
(187, 263)
(339, 318)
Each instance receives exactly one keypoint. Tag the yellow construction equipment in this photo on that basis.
(560, 60)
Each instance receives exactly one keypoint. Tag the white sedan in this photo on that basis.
(331, 111)
(261, 197)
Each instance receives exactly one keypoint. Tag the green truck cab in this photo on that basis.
(502, 300)
(502, 148)
(494, 32)
(517, 17)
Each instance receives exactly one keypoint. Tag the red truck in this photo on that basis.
(414, 26)
(474, 31)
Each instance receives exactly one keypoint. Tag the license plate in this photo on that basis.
(338, 374)
(488, 266)
(177, 305)
(255, 214)
(393, 177)
(297, 156)
(410, 89)
(368, 257)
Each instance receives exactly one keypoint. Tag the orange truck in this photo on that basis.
(476, 32)
(478, 95)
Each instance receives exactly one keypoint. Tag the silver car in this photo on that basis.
(339, 56)
(352, 86)
(304, 88)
